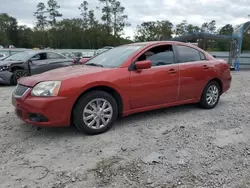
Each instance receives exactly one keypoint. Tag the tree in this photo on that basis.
(113, 17)
(53, 12)
(184, 28)
(181, 29)
(119, 18)
(106, 17)
(209, 27)
(145, 32)
(91, 18)
(84, 13)
(164, 29)
(226, 30)
(41, 22)
(153, 30)
(8, 30)
(24, 36)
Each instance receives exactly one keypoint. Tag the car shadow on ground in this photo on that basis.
(120, 122)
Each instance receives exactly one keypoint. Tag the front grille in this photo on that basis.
(20, 90)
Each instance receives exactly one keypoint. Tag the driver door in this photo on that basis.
(157, 85)
(38, 63)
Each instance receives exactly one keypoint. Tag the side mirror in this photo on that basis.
(143, 64)
(214, 56)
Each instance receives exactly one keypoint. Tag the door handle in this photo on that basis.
(172, 71)
(205, 67)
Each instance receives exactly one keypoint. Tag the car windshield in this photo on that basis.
(20, 56)
(114, 57)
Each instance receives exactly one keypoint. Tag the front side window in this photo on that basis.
(188, 54)
(38, 57)
(202, 56)
(115, 56)
(160, 55)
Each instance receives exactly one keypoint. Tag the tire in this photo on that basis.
(83, 107)
(18, 73)
(204, 102)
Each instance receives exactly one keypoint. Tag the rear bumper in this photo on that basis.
(227, 84)
(5, 77)
(43, 111)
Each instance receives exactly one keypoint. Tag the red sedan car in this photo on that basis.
(84, 60)
(125, 80)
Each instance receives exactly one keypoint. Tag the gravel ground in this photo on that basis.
(184, 147)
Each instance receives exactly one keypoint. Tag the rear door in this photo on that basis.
(195, 72)
(56, 60)
(38, 63)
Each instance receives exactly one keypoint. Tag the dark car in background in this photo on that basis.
(29, 63)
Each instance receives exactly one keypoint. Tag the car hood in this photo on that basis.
(4, 63)
(61, 74)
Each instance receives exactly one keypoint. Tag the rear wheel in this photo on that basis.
(95, 112)
(17, 74)
(211, 95)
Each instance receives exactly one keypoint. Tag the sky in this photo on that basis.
(194, 11)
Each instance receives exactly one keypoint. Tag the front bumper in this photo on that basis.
(5, 77)
(43, 111)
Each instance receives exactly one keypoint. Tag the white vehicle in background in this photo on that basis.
(12, 46)
(104, 49)
(2, 56)
(1, 47)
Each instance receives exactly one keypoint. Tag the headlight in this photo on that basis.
(4, 68)
(46, 89)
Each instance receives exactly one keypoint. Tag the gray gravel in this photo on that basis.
(184, 147)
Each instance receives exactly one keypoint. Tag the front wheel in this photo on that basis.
(17, 74)
(211, 95)
(95, 112)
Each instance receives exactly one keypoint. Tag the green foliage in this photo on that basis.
(86, 31)
(184, 28)
(153, 30)
(114, 18)
(8, 29)
(53, 12)
(41, 22)
(83, 32)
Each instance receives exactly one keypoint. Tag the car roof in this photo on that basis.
(41, 51)
(150, 43)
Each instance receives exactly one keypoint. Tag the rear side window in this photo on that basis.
(187, 54)
(51, 55)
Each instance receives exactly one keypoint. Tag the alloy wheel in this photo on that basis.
(212, 95)
(20, 74)
(97, 113)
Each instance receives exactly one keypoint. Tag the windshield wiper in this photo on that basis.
(94, 64)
